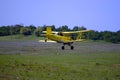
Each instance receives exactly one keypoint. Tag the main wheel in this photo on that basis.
(62, 47)
(72, 47)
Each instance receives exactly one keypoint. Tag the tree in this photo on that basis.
(59, 29)
(118, 36)
(107, 35)
(32, 28)
(115, 38)
(64, 28)
(4, 30)
(53, 28)
(81, 28)
(25, 31)
(16, 28)
(38, 31)
(44, 27)
(94, 35)
(75, 28)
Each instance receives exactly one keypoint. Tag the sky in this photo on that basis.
(100, 15)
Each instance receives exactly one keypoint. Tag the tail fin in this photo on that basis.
(49, 30)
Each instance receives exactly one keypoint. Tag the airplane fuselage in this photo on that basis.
(60, 39)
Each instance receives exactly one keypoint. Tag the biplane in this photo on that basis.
(66, 38)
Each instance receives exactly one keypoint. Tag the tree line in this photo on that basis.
(108, 36)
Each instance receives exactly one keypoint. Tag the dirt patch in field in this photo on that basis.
(117, 66)
(6, 77)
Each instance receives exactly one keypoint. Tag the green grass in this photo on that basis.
(51, 63)
(73, 66)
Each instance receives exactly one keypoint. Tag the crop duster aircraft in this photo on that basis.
(65, 38)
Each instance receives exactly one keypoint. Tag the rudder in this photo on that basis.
(49, 31)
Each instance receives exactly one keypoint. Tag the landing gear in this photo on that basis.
(72, 47)
(62, 47)
(69, 44)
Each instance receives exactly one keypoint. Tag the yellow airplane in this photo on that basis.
(64, 37)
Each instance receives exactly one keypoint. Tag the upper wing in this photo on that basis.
(69, 32)
(76, 35)
(73, 32)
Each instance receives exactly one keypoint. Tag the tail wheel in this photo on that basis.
(62, 47)
(72, 47)
(45, 40)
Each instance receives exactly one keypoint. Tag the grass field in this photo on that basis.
(30, 60)
(104, 66)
